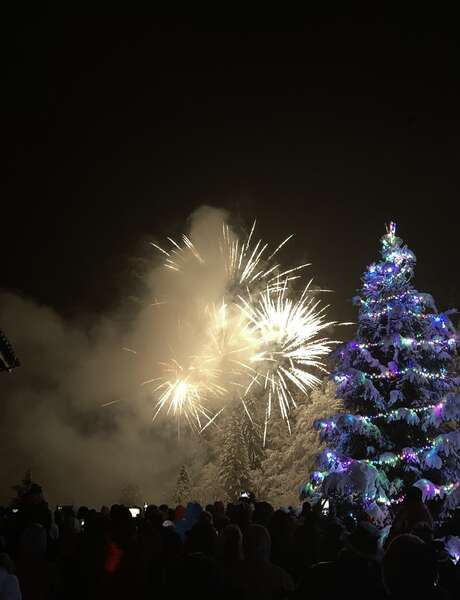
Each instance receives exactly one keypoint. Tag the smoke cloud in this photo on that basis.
(79, 410)
(75, 412)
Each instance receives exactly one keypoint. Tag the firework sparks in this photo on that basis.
(248, 265)
(287, 333)
(244, 263)
(177, 256)
(183, 391)
(261, 335)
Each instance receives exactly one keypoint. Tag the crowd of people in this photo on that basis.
(244, 550)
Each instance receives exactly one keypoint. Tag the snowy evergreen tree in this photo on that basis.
(288, 457)
(253, 440)
(252, 431)
(208, 486)
(23, 488)
(27, 491)
(398, 383)
(234, 463)
(131, 495)
(182, 492)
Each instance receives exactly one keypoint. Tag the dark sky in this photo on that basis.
(116, 129)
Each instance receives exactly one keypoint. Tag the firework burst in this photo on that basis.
(261, 335)
(286, 331)
(246, 263)
(181, 392)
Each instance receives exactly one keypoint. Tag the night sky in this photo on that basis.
(117, 129)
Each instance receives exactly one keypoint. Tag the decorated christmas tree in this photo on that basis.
(398, 384)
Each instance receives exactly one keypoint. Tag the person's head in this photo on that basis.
(263, 512)
(120, 513)
(68, 511)
(409, 567)
(202, 538)
(413, 495)
(69, 523)
(231, 543)
(205, 517)
(192, 512)
(82, 512)
(153, 515)
(306, 509)
(257, 543)
(219, 508)
(114, 509)
(164, 510)
(221, 523)
(179, 513)
(97, 525)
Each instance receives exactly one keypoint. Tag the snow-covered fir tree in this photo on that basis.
(234, 463)
(277, 470)
(183, 487)
(131, 495)
(23, 488)
(207, 486)
(253, 440)
(27, 491)
(288, 457)
(398, 382)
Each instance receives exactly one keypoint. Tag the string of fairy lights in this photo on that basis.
(415, 297)
(389, 416)
(408, 455)
(436, 490)
(407, 342)
(374, 315)
(390, 458)
(392, 373)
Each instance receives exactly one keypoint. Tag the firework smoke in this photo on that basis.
(52, 420)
